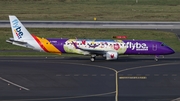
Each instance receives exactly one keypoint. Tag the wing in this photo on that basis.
(91, 51)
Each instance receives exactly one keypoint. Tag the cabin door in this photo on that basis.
(154, 47)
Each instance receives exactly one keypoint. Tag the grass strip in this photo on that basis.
(103, 10)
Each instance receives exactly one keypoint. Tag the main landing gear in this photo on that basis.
(93, 57)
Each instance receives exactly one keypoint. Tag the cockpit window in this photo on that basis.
(162, 44)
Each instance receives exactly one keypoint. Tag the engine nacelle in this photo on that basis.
(111, 55)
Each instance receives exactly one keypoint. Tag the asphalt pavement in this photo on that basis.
(139, 78)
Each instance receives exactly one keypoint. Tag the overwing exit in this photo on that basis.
(109, 49)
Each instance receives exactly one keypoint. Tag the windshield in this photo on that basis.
(162, 44)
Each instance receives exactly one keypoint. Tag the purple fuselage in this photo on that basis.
(127, 47)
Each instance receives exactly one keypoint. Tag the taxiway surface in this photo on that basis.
(77, 79)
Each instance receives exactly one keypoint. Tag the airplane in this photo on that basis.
(110, 49)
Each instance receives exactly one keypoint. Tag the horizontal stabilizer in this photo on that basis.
(11, 40)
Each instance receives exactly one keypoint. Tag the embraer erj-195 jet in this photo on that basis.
(109, 49)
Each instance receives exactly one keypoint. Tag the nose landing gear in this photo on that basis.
(156, 58)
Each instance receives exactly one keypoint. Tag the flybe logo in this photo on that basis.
(137, 46)
(17, 28)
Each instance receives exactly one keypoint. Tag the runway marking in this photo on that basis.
(147, 66)
(9, 82)
(174, 74)
(72, 97)
(85, 74)
(165, 74)
(138, 74)
(94, 75)
(123, 75)
(177, 99)
(147, 74)
(103, 74)
(67, 75)
(156, 74)
(76, 74)
(141, 25)
(129, 74)
(133, 77)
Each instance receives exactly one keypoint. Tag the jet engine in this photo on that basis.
(111, 55)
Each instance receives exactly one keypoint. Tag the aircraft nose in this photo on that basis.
(170, 50)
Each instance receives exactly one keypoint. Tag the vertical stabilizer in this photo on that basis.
(20, 33)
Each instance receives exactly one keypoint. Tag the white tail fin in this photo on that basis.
(20, 33)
